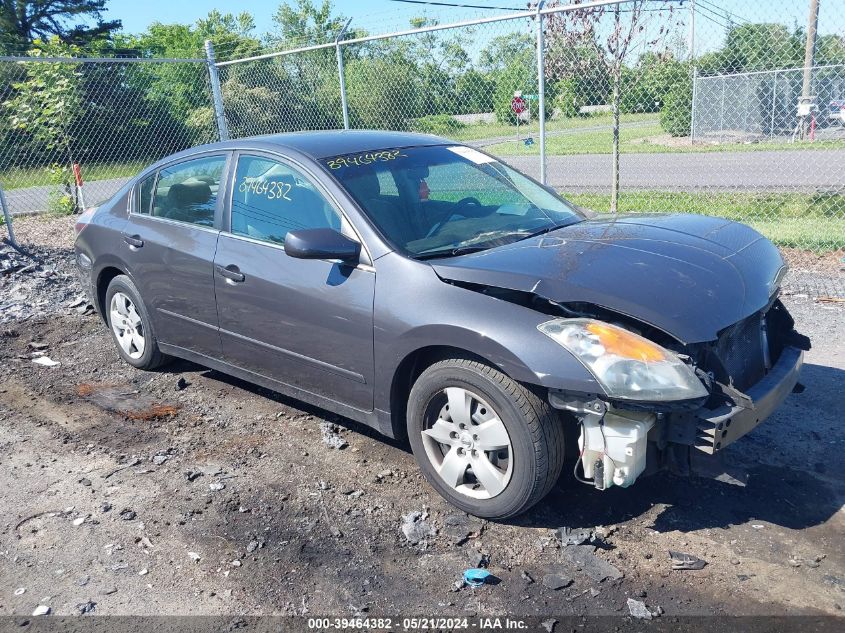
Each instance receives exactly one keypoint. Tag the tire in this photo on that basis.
(132, 330)
(522, 474)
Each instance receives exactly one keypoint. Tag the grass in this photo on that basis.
(814, 222)
(493, 130)
(638, 140)
(22, 177)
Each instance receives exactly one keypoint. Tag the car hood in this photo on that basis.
(690, 276)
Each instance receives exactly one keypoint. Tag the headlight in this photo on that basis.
(627, 366)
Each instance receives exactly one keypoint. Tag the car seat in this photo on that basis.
(188, 202)
(388, 214)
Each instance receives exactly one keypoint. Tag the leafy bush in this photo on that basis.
(566, 99)
(60, 200)
(440, 124)
(676, 114)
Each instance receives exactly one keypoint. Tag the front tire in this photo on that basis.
(131, 326)
(488, 444)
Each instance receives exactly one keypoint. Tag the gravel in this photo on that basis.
(373, 534)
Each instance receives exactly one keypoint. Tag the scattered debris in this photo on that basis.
(681, 560)
(331, 436)
(576, 536)
(159, 459)
(556, 577)
(583, 558)
(549, 625)
(415, 528)
(460, 527)
(478, 559)
(46, 361)
(217, 485)
(476, 577)
(41, 609)
(638, 609)
(86, 607)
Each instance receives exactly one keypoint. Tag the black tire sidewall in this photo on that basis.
(521, 485)
(124, 284)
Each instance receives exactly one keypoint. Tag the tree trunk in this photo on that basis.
(614, 184)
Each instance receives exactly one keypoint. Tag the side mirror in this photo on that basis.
(322, 244)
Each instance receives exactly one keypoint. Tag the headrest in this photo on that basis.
(184, 194)
(363, 182)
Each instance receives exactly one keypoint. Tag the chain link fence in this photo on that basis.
(644, 106)
(111, 117)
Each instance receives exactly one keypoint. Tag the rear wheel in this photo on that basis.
(130, 325)
(488, 444)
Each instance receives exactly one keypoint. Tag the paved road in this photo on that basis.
(34, 199)
(790, 170)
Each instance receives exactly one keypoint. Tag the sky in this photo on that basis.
(384, 16)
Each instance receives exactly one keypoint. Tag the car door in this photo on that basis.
(169, 243)
(304, 323)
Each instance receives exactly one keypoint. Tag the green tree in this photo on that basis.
(47, 102)
(43, 109)
(22, 22)
(305, 23)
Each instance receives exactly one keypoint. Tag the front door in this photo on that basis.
(305, 323)
(169, 243)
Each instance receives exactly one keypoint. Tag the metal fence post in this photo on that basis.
(7, 216)
(216, 92)
(541, 91)
(774, 104)
(343, 103)
(692, 108)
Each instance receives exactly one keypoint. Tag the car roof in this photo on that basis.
(325, 143)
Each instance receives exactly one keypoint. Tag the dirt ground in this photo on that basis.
(184, 491)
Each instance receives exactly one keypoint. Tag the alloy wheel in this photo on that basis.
(127, 325)
(468, 444)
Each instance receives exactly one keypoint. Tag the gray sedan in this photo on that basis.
(426, 289)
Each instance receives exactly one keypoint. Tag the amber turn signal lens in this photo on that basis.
(618, 341)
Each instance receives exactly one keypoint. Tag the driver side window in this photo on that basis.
(187, 192)
(271, 198)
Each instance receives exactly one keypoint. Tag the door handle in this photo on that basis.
(134, 241)
(230, 272)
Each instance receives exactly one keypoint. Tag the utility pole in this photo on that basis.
(691, 36)
(806, 106)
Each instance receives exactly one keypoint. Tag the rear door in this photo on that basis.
(169, 243)
(304, 323)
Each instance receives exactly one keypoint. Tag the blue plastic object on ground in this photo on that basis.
(476, 577)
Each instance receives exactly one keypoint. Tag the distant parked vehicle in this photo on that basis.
(837, 111)
(426, 289)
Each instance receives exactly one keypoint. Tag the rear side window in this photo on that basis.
(144, 195)
(271, 198)
(187, 192)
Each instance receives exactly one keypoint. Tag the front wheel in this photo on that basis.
(488, 444)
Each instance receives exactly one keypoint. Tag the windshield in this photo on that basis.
(445, 200)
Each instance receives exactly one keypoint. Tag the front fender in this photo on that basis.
(417, 310)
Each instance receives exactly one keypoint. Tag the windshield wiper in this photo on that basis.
(452, 252)
(547, 229)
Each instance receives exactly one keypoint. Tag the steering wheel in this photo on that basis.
(468, 200)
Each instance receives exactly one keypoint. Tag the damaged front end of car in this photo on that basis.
(671, 405)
